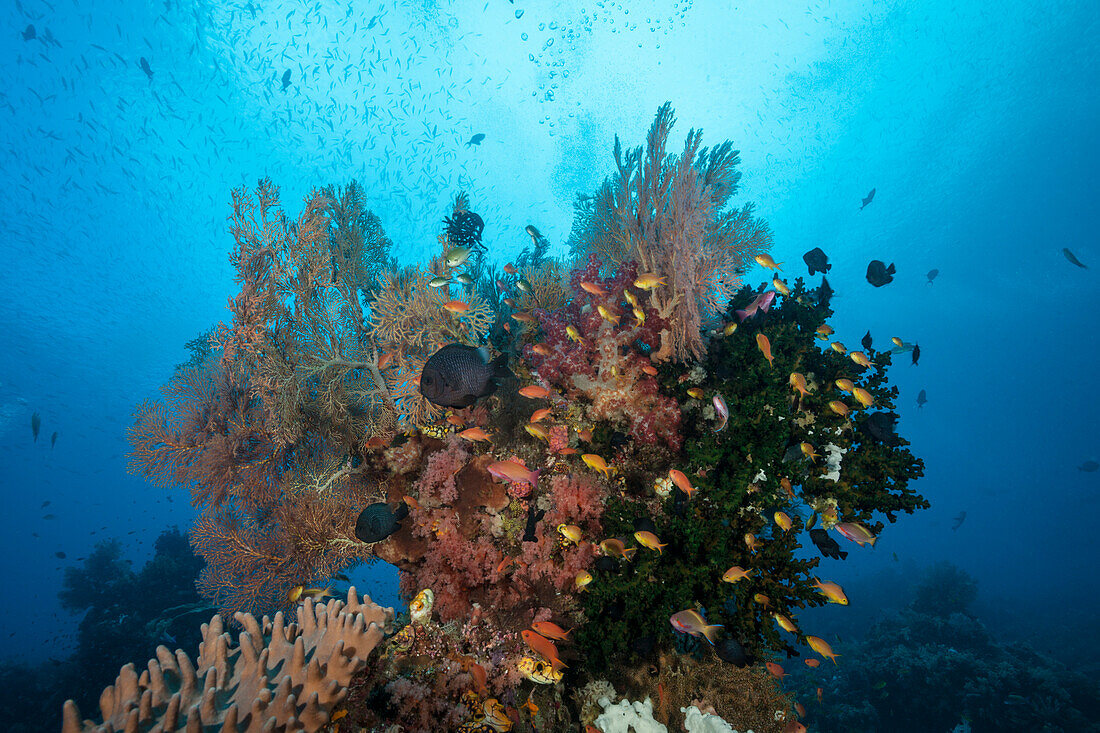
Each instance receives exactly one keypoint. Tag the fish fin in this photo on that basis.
(710, 631)
(891, 269)
(483, 352)
(741, 315)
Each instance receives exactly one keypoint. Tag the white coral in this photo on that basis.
(696, 721)
(626, 716)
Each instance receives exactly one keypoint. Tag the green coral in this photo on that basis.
(737, 474)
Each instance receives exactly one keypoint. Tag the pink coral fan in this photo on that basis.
(605, 370)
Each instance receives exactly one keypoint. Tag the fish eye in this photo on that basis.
(653, 671)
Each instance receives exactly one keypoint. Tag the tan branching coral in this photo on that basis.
(282, 677)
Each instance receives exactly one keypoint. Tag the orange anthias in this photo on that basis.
(541, 645)
(765, 348)
(776, 670)
(551, 630)
(475, 434)
(681, 480)
(535, 392)
(456, 306)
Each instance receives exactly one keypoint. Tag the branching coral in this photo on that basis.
(282, 677)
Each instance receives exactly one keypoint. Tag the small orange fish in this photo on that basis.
(751, 542)
(509, 268)
(541, 414)
(455, 420)
(475, 434)
(530, 707)
(597, 463)
(822, 647)
(456, 306)
(593, 288)
(535, 392)
(820, 694)
(798, 708)
(571, 532)
(650, 370)
(812, 663)
(845, 385)
(541, 349)
(537, 431)
(767, 262)
(824, 331)
(808, 451)
(762, 599)
(573, 334)
(681, 480)
(798, 381)
(385, 359)
(585, 435)
(863, 397)
(616, 548)
(785, 484)
(541, 645)
(338, 715)
(507, 301)
(376, 442)
(649, 281)
(735, 574)
(582, 580)
(860, 358)
(524, 317)
(607, 314)
(775, 670)
(551, 630)
(410, 502)
(765, 348)
(839, 408)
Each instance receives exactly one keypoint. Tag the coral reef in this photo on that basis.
(281, 678)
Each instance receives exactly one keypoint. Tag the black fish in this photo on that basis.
(1089, 466)
(869, 199)
(378, 521)
(824, 293)
(866, 341)
(922, 398)
(878, 274)
(728, 650)
(932, 274)
(53, 439)
(958, 521)
(476, 139)
(459, 375)
(286, 79)
(1073, 258)
(36, 425)
(916, 353)
(817, 261)
(534, 516)
(30, 33)
(880, 427)
(59, 555)
(826, 544)
(144, 64)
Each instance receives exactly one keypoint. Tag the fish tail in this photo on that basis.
(628, 553)
(741, 315)
(710, 632)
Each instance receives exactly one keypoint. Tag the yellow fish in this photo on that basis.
(617, 548)
(822, 647)
(808, 451)
(573, 334)
(735, 574)
(696, 393)
(838, 347)
(897, 342)
(649, 281)
(537, 431)
(762, 599)
(785, 623)
(648, 539)
(750, 541)
(765, 348)
(729, 329)
(571, 532)
(839, 408)
(783, 521)
(632, 299)
(639, 316)
(863, 397)
(781, 286)
(832, 591)
(768, 262)
(824, 331)
(860, 358)
(607, 314)
(845, 385)
(596, 463)
(582, 580)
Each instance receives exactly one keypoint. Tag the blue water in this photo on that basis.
(977, 124)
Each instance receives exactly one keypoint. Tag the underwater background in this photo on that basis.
(126, 126)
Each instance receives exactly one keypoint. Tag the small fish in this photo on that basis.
(338, 715)
(839, 408)
(535, 392)
(865, 342)
(916, 354)
(457, 257)
(817, 261)
(581, 581)
(286, 79)
(762, 302)
(838, 347)
(438, 282)
(541, 645)
(690, 621)
(785, 623)
(863, 397)
(29, 33)
(798, 382)
(597, 463)
(822, 647)
(765, 347)
(880, 426)
(650, 370)
(513, 472)
(762, 599)
(36, 425)
(932, 274)
(832, 591)
(1073, 258)
(473, 434)
(533, 232)
(607, 314)
(722, 411)
(649, 281)
(958, 521)
(766, 261)
(857, 533)
(922, 398)
(524, 286)
(476, 139)
(781, 286)
(456, 306)
(525, 317)
(824, 331)
(845, 385)
(615, 547)
(541, 414)
(648, 539)
(682, 482)
(571, 532)
(510, 269)
(696, 393)
(860, 358)
(826, 544)
(868, 199)
(593, 289)
(541, 349)
(775, 670)
(735, 574)
(808, 451)
(1089, 466)
(464, 279)
(551, 630)
(783, 521)
(573, 334)
(812, 663)
(878, 274)
(751, 541)
(146, 69)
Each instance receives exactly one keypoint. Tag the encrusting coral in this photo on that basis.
(281, 677)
